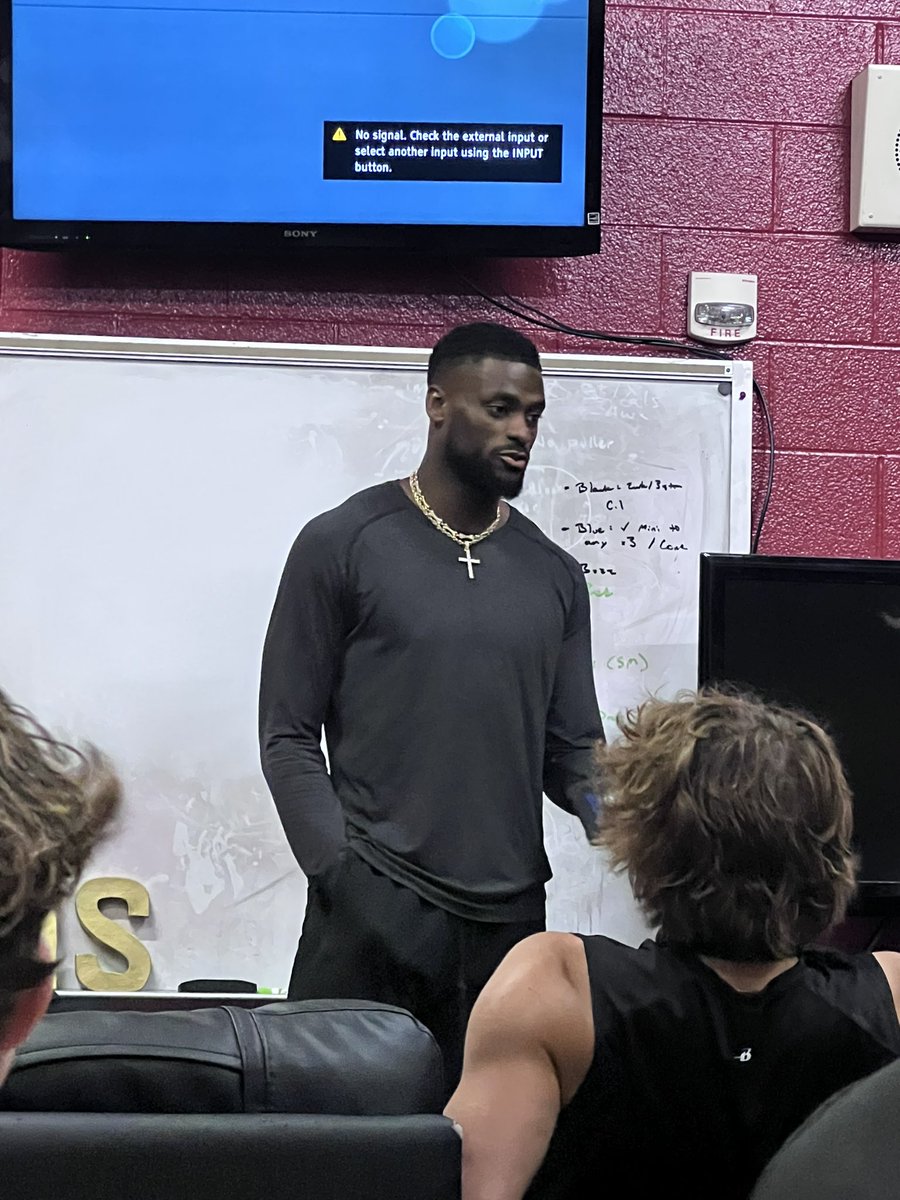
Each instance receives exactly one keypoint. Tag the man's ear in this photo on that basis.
(436, 405)
(28, 1008)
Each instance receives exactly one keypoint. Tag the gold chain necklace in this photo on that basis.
(466, 540)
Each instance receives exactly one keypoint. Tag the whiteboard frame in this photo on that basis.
(737, 372)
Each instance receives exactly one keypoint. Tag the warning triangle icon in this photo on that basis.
(339, 135)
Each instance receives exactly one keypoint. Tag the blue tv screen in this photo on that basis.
(469, 125)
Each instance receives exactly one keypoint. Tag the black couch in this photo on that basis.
(315, 1100)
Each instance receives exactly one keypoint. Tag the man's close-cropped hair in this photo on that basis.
(56, 801)
(482, 339)
(733, 819)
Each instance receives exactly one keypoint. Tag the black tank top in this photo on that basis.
(694, 1086)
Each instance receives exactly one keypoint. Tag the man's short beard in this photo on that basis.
(477, 474)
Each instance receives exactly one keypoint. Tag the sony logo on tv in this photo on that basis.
(300, 233)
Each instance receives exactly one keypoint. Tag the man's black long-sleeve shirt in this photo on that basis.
(448, 704)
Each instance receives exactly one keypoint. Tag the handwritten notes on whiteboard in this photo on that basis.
(635, 478)
(621, 530)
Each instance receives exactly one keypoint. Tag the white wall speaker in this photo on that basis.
(875, 150)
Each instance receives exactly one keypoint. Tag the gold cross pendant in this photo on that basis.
(469, 561)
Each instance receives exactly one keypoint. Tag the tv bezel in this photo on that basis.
(306, 237)
(873, 896)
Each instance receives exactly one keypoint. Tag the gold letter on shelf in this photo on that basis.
(87, 905)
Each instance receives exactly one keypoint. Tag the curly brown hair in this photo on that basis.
(733, 819)
(56, 801)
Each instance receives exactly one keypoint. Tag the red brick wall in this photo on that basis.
(725, 149)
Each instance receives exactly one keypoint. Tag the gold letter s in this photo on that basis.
(87, 905)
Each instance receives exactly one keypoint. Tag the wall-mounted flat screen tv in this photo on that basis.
(455, 126)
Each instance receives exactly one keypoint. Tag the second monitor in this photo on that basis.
(822, 635)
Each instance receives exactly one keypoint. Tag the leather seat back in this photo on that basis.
(346, 1057)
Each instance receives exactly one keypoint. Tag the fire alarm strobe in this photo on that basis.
(722, 307)
(875, 150)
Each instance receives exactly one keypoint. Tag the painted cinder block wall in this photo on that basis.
(725, 148)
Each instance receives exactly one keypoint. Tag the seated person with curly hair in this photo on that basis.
(56, 801)
(679, 1068)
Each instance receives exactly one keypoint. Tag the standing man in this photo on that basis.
(444, 644)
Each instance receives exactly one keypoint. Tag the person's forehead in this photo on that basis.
(489, 376)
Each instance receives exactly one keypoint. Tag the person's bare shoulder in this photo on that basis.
(541, 992)
(529, 1045)
(545, 967)
(889, 961)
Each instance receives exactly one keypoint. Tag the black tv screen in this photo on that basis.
(448, 125)
(824, 635)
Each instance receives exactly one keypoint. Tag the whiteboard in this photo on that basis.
(149, 493)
